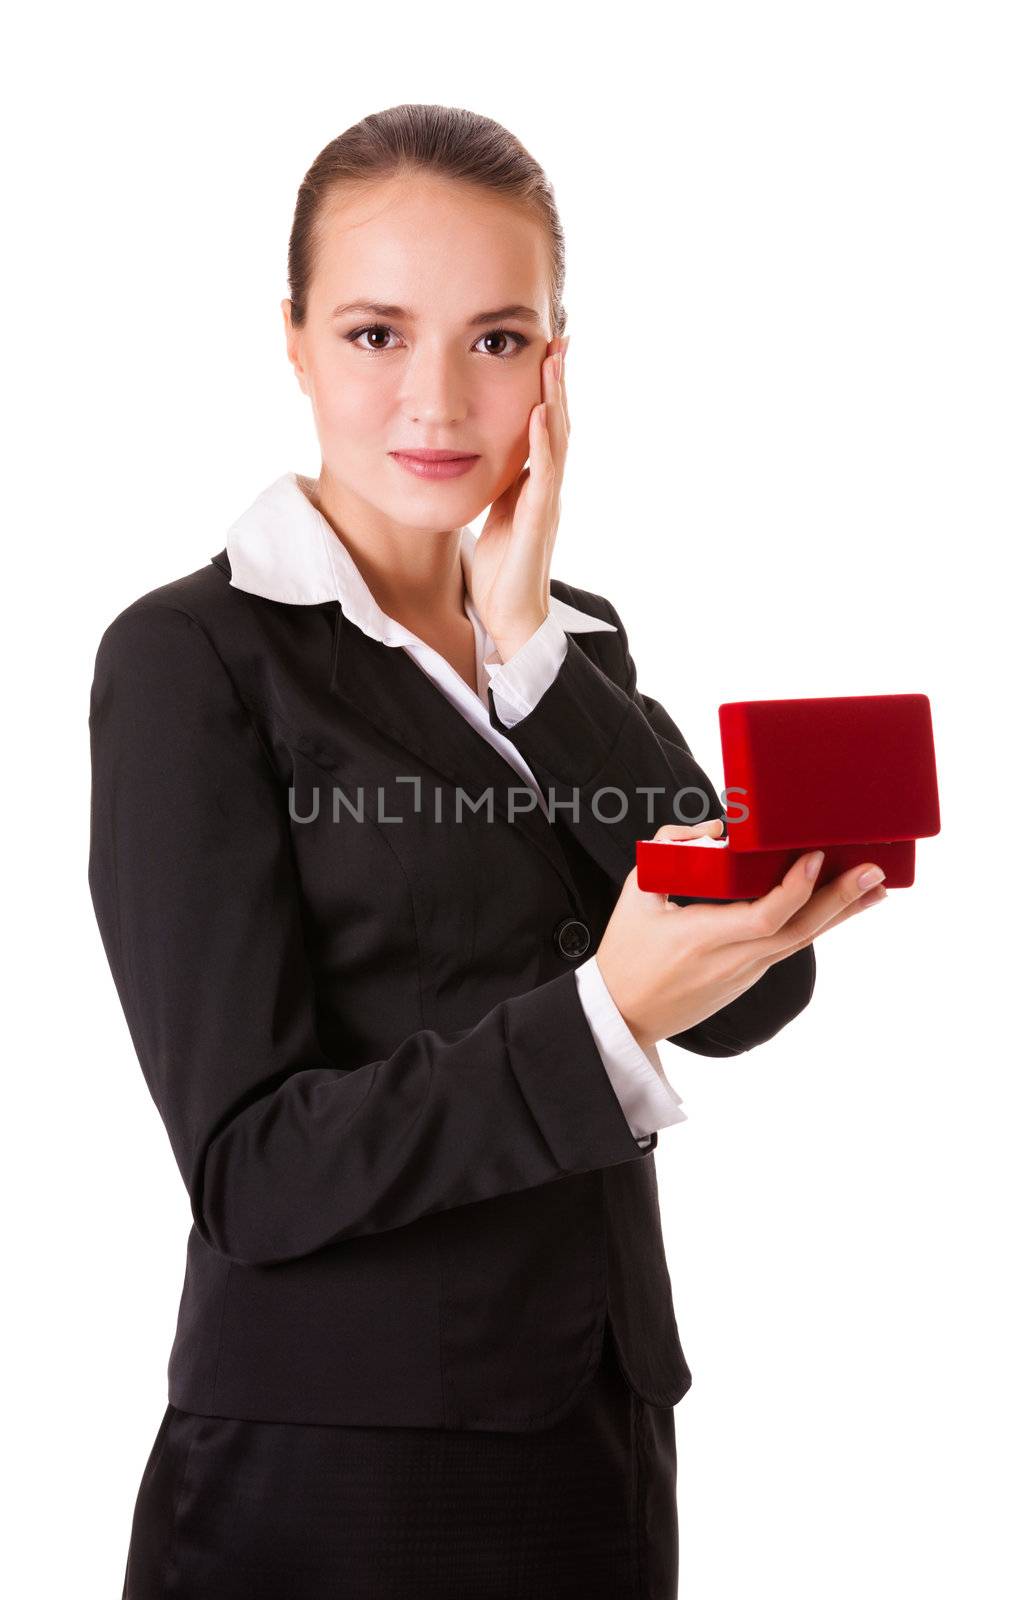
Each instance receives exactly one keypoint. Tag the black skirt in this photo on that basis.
(237, 1510)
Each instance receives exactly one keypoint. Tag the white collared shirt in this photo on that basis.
(282, 548)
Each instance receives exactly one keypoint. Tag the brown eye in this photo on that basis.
(517, 340)
(375, 329)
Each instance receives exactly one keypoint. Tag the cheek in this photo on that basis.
(350, 401)
(517, 399)
(507, 413)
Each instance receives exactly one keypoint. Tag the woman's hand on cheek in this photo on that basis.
(511, 567)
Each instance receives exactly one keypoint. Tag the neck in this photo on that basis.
(412, 573)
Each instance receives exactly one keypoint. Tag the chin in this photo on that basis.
(462, 502)
(430, 512)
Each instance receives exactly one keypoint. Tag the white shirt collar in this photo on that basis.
(282, 548)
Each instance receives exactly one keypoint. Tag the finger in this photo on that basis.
(759, 921)
(683, 830)
(564, 392)
(549, 379)
(536, 499)
(552, 447)
(545, 367)
(555, 409)
(791, 913)
(541, 455)
(872, 897)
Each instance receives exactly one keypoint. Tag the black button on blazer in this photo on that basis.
(415, 1196)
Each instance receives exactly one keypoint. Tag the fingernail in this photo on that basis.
(874, 875)
(813, 864)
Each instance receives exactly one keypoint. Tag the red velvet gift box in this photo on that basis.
(854, 775)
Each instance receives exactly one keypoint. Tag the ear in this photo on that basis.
(293, 338)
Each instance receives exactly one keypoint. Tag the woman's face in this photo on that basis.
(431, 372)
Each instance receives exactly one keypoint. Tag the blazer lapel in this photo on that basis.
(386, 686)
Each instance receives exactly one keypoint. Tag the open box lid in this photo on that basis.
(854, 775)
(840, 770)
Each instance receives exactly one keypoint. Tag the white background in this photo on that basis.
(798, 377)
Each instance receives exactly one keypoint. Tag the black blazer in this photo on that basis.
(415, 1197)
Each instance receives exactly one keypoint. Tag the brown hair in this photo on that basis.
(444, 140)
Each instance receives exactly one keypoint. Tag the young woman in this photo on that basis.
(373, 918)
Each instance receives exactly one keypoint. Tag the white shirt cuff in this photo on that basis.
(645, 1094)
(519, 682)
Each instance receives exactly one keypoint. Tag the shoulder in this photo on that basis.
(201, 603)
(179, 621)
(201, 594)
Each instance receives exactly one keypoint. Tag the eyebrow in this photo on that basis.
(379, 309)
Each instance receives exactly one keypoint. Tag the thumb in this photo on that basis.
(693, 830)
(677, 830)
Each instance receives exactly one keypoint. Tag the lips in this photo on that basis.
(434, 465)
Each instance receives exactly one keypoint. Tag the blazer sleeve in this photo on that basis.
(593, 731)
(284, 1150)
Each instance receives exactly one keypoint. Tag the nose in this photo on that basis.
(435, 394)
